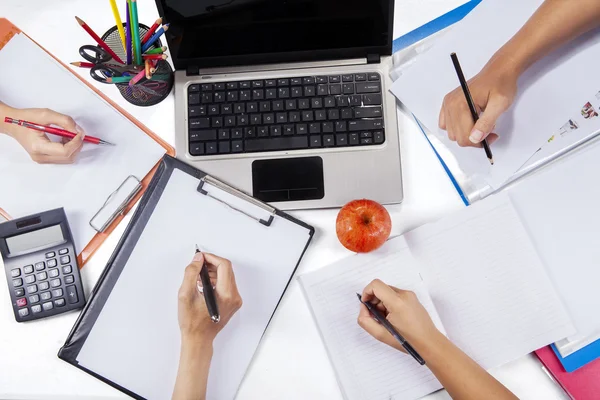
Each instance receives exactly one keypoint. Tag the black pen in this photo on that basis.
(209, 292)
(471, 103)
(383, 321)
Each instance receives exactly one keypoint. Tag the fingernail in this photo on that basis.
(476, 136)
(198, 257)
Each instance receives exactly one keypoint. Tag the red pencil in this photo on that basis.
(82, 64)
(98, 40)
(54, 131)
(153, 29)
(154, 56)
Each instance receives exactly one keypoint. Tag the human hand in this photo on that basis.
(493, 91)
(194, 320)
(37, 144)
(403, 310)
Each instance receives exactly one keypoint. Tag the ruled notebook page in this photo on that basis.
(488, 284)
(366, 368)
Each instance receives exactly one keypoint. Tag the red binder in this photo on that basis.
(582, 384)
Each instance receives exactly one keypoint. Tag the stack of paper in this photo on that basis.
(554, 98)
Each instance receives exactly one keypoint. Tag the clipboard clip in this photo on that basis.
(234, 192)
(100, 217)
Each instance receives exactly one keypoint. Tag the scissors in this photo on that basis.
(101, 69)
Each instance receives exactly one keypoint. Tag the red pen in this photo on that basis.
(55, 131)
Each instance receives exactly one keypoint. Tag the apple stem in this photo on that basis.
(366, 219)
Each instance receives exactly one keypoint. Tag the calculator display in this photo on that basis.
(37, 239)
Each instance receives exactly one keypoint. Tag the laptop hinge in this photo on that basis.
(192, 70)
(373, 59)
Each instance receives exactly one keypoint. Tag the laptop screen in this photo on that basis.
(205, 33)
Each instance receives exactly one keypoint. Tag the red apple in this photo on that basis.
(363, 225)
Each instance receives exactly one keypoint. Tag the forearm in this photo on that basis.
(462, 377)
(555, 23)
(192, 376)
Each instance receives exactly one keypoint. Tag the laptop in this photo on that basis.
(287, 100)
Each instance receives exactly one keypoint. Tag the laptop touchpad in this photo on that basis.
(288, 179)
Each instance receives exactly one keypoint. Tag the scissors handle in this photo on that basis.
(94, 54)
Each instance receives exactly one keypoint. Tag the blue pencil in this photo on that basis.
(155, 37)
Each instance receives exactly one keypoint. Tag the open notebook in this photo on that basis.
(478, 275)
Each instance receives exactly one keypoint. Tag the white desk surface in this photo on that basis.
(291, 362)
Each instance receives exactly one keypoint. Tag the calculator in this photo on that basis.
(41, 265)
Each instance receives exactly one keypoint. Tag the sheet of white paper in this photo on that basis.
(559, 208)
(80, 188)
(488, 284)
(411, 14)
(366, 368)
(135, 340)
(548, 91)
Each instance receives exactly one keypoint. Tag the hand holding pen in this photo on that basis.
(36, 143)
(196, 322)
(396, 318)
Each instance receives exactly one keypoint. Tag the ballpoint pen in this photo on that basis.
(55, 131)
(209, 292)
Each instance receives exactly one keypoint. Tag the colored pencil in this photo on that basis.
(155, 37)
(82, 64)
(155, 56)
(136, 33)
(148, 65)
(54, 131)
(158, 50)
(98, 40)
(128, 35)
(115, 10)
(151, 31)
(131, 30)
(137, 78)
(119, 79)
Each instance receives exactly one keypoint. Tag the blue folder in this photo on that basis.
(580, 358)
(434, 26)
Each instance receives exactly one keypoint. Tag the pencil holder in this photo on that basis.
(148, 92)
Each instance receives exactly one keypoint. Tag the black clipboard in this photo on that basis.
(106, 282)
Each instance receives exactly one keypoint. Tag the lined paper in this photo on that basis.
(366, 368)
(488, 284)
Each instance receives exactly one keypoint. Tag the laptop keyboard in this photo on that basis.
(285, 114)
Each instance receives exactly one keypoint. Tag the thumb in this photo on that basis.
(487, 121)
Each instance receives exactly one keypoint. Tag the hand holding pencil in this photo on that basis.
(493, 90)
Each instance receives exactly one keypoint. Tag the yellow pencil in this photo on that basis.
(115, 10)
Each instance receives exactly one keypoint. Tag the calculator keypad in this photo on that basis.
(45, 286)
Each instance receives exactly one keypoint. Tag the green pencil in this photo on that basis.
(136, 33)
(158, 50)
